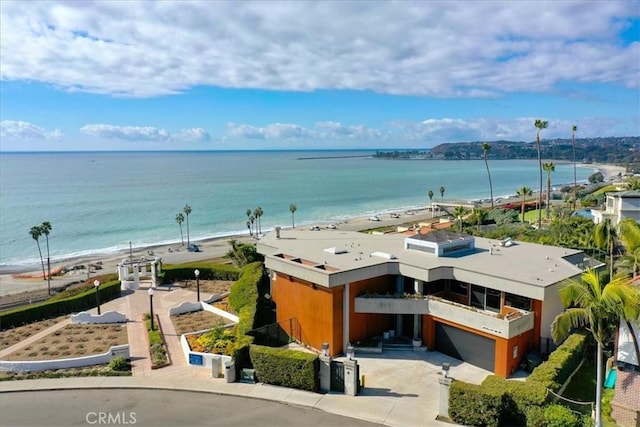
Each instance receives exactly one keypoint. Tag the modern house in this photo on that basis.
(618, 206)
(487, 302)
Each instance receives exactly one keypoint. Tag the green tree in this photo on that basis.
(524, 192)
(459, 212)
(293, 208)
(632, 183)
(605, 236)
(548, 168)
(479, 216)
(574, 129)
(629, 231)
(45, 228)
(243, 253)
(540, 124)
(249, 221)
(187, 211)
(257, 213)
(35, 233)
(442, 192)
(485, 149)
(631, 263)
(180, 220)
(596, 306)
(252, 220)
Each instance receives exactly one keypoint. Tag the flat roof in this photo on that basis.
(489, 264)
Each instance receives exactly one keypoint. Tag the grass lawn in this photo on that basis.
(583, 389)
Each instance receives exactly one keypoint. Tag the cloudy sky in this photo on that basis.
(210, 75)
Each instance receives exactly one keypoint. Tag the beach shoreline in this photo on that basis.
(217, 247)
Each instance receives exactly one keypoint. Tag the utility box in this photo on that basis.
(350, 377)
(216, 363)
(230, 371)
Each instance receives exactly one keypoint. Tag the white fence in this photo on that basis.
(74, 362)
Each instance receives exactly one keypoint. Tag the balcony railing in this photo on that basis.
(502, 326)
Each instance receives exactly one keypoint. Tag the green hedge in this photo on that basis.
(208, 271)
(243, 299)
(59, 307)
(288, 368)
(475, 405)
(561, 363)
(498, 401)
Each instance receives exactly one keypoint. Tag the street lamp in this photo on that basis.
(97, 286)
(151, 306)
(197, 273)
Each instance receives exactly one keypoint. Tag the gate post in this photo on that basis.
(443, 407)
(350, 377)
(325, 373)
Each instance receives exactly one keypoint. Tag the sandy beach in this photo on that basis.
(213, 248)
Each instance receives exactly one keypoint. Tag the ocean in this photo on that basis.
(98, 202)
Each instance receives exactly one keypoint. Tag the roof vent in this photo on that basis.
(384, 255)
(336, 251)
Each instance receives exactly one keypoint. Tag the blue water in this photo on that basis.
(98, 202)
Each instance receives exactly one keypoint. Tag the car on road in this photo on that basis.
(374, 218)
(193, 248)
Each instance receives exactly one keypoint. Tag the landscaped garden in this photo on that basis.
(196, 321)
(17, 334)
(73, 341)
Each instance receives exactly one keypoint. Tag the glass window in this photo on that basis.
(435, 287)
(493, 300)
(517, 301)
(458, 288)
(477, 296)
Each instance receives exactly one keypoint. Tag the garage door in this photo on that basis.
(471, 348)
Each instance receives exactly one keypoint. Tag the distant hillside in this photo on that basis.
(596, 150)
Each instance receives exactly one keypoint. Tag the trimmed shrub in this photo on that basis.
(287, 368)
(475, 405)
(518, 397)
(535, 417)
(59, 307)
(561, 363)
(118, 363)
(208, 271)
(559, 416)
(243, 299)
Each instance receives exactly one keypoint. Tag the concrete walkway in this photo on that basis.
(401, 387)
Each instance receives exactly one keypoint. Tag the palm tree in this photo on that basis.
(442, 192)
(458, 213)
(540, 124)
(293, 208)
(596, 306)
(629, 230)
(187, 211)
(548, 168)
(574, 129)
(485, 149)
(524, 192)
(36, 232)
(45, 228)
(631, 262)
(258, 213)
(251, 221)
(180, 220)
(479, 216)
(605, 236)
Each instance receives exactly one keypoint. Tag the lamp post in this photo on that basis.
(197, 273)
(96, 284)
(151, 306)
(130, 254)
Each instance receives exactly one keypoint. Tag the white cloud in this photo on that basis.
(359, 132)
(472, 49)
(144, 133)
(20, 130)
(273, 131)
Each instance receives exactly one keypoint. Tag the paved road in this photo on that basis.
(155, 408)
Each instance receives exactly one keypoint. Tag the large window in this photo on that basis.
(435, 287)
(458, 288)
(517, 301)
(485, 299)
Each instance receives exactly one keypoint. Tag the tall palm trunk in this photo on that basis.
(540, 182)
(48, 265)
(44, 274)
(575, 181)
(599, 380)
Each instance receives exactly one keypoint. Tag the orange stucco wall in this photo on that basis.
(365, 325)
(318, 310)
